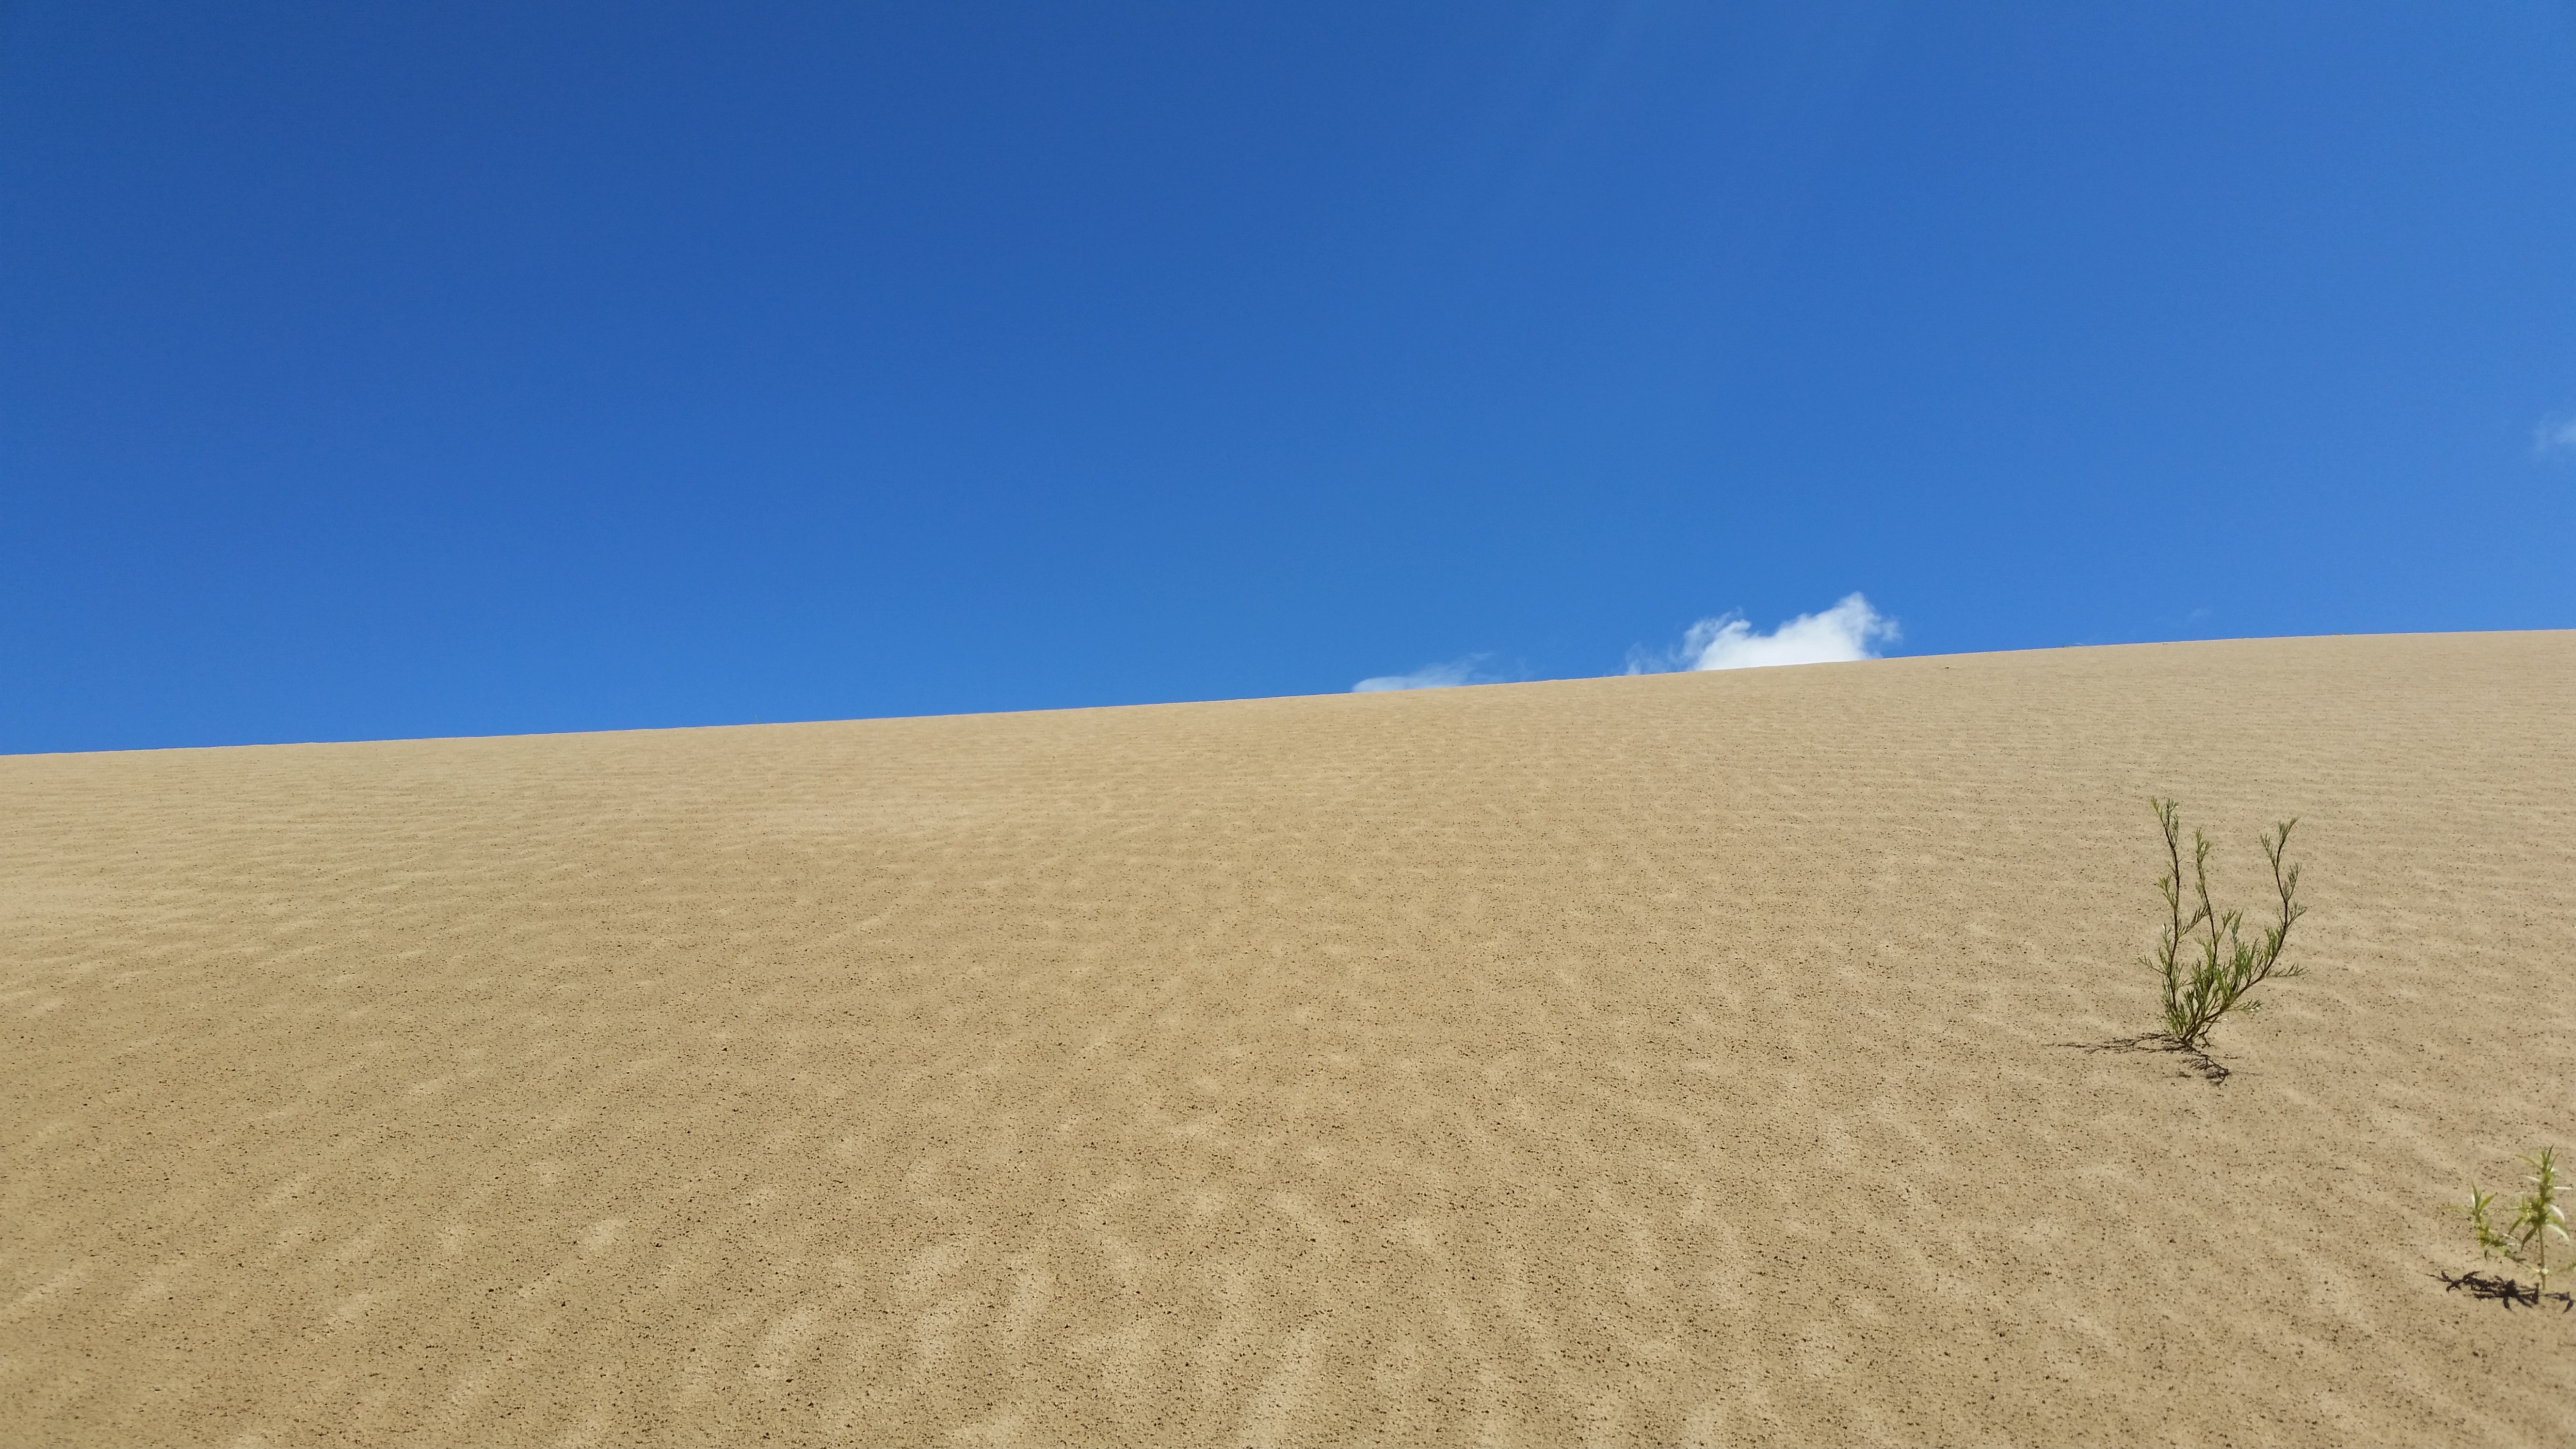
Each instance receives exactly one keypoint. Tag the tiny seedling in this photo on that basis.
(2537, 1218)
(2491, 1244)
(2197, 993)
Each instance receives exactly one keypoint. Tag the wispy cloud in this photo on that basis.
(1850, 630)
(1429, 676)
(2554, 435)
(1847, 631)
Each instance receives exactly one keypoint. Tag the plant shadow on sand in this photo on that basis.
(2197, 1062)
(2506, 1291)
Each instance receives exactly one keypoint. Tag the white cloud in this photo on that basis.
(2555, 435)
(1850, 630)
(1844, 632)
(1429, 676)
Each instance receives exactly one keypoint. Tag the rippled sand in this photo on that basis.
(1685, 1059)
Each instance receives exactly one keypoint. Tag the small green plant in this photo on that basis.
(2537, 1218)
(2491, 1244)
(2199, 992)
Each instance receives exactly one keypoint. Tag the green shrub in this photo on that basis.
(2197, 993)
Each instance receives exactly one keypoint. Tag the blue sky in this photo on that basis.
(426, 369)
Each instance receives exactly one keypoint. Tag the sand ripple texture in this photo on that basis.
(1667, 1060)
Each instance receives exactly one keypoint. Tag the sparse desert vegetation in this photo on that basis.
(2538, 1221)
(2207, 967)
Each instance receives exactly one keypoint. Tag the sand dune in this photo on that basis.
(1661, 1060)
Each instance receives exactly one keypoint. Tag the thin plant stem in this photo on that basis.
(2539, 1215)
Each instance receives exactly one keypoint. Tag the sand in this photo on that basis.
(1683, 1059)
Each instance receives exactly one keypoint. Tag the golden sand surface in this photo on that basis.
(1681, 1059)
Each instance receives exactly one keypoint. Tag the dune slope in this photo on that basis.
(1690, 1059)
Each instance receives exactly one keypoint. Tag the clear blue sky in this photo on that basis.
(422, 369)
